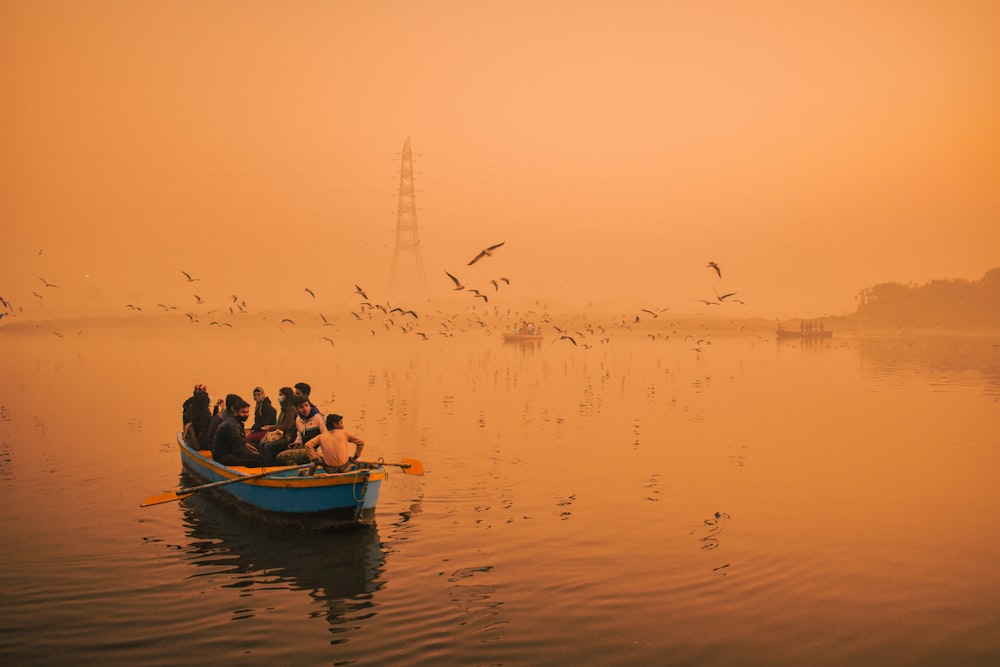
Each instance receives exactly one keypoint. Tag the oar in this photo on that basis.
(409, 466)
(177, 494)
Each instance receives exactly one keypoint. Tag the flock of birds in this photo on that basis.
(382, 316)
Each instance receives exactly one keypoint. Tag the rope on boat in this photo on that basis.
(359, 497)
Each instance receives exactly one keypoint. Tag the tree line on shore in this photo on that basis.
(938, 303)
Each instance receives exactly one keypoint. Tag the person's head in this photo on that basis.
(200, 389)
(334, 421)
(232, 400)
(285, 395)
(258, 394)
(241, 409)
(302, 405)
(302, 389)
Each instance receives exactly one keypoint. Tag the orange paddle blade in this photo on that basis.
(412, 467)
(165, 497)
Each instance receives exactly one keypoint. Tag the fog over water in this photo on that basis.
(811, 151)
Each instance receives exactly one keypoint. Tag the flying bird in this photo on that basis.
(357, 288)
(326, 322)
(47, 283)
(486, 252)
(189, 278)
(458, 283)
(723, 297)
(197, 299)
(309, 292)
(286, 320)
(564, 336)
(328, 340)
(713, 265)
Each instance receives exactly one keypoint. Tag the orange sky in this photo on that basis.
(811, 149)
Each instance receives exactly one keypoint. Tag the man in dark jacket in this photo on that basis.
(228, 447)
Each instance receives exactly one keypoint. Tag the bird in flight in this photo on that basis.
(564, 336)
(713, 265)
(286, 320)
(357, 288)
(328, 340)
(723, 297)
(326, 322)
(486, 252)
(47, 283)
(197, 299)
(458, 283)
(655, 313)
(309, 292)
(189, 278)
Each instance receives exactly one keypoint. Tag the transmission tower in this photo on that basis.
(407, 277)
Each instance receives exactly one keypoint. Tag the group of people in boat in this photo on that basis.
(293, 433)
(526, 329)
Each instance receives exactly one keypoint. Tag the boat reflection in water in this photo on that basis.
(340, 570)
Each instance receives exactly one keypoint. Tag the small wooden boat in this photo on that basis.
(808, 330)
(523, 334)
(278, 495)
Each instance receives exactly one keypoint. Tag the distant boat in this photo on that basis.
(524, 333)
(808, 329)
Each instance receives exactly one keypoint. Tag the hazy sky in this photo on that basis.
(810, 148)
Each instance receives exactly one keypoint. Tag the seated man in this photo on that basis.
(330, 449)
(228, 447)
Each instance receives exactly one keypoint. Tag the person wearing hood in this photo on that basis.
(264, 414)
(197, 417)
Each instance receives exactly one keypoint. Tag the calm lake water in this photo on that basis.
(634, 502)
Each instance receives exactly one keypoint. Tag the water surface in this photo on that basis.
(643, 500)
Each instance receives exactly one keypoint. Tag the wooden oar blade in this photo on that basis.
(409, 466)
(165, 497)
(413, 467)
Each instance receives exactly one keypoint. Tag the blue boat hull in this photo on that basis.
(318, 502)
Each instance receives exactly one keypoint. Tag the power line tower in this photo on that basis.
(407, 277)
